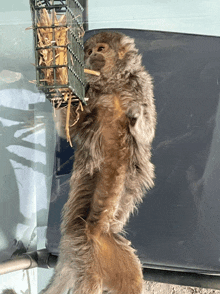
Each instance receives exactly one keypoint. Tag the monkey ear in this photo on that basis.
(126, 44)
(121, 52)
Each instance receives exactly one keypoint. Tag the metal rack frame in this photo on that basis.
(73, 11)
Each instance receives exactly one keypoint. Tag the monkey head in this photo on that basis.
(107, 52)
(97, 57)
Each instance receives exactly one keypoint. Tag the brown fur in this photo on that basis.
(112, 169)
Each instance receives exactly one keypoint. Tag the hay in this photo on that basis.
(57, 36)
(48, 37)
(52, 47)
(91, 72)
(52, 42)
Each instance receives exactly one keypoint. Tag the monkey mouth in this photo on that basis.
(97, 62)
(97, 65)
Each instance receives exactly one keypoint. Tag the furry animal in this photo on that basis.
(112, 169)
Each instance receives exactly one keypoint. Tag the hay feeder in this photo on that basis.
(59, 54)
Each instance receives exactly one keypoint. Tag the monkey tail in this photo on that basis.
(116, 263)
(93, 258)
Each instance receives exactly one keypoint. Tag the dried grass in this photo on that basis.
(49, 56)
(48, 37)
(52, 46)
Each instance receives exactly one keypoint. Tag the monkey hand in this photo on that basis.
(133, 113)
(139, 125)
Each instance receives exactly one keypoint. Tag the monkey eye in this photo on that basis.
(100, 48)
(89, 52)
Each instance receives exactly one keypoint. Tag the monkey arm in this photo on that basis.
(142, 112)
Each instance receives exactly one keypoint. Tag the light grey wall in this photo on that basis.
(27, 140)
(196, 17)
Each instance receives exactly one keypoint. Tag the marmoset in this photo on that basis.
(111, 172)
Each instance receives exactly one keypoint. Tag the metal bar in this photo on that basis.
(84, 4)
(50, 6)
(51, 66)
(54, 87)
(52, 26)
(20, 263)
(182, 278)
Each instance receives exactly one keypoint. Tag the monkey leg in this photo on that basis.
(131, 196)
(62, 280)
(65, 280)
(106, 198)
(77, 268)
(88, 284)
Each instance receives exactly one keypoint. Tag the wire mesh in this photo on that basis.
(59, 54)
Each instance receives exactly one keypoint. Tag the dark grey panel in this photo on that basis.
(178, 224)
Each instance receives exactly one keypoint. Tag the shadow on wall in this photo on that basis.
(26, 167)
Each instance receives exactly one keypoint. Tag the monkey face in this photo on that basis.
(100, 57)
(110, 53)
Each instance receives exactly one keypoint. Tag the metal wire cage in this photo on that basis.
(59, 54)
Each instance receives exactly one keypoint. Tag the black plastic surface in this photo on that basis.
(178, 224)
